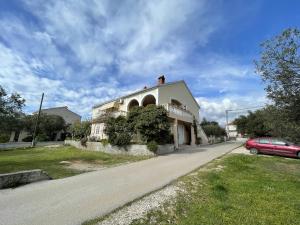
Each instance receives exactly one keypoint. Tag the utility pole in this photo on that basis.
(227, 128)
(37, 123)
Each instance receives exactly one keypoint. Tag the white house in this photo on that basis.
(231, 130)
(175, 97)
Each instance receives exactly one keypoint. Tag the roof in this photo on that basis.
(61, 107)
(145, 90)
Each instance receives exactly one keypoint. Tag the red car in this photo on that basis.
(273, 146)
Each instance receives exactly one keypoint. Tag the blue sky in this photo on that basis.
(81, 53)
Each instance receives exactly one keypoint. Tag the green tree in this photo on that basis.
(279, 66)
(118, 130)
(212, 128)
(10, 111)
(49, 125)
(153, 124)
(80, 129)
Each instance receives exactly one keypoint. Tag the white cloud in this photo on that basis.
(214, 108)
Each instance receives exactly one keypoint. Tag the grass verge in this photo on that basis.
(48, 159)
(236, 189)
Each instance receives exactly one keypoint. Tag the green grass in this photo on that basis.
(236, 189)
(48, 159)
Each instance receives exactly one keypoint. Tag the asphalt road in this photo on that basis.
(73, 200)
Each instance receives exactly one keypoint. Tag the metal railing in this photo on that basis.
(178, 111)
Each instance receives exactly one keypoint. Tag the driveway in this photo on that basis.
(76, 199)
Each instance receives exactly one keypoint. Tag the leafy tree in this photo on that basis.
(10, 111)
(118, 130)
(279, 66)
(49, 125)
(212, 128)
(153, 124)
(80, 129)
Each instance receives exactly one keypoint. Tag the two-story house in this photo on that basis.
(175, 97)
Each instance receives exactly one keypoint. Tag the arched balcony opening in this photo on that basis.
(132, 103)
(148, 100)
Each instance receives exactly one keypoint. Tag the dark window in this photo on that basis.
(264, 141)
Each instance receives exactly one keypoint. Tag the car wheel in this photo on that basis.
(253, 151)
(298, 154)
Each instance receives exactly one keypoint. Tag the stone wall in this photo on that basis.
(10, 145)
(130, 150)
(9, 180)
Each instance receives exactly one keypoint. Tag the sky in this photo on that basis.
(81, 53)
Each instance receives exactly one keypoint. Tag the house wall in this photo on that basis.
(65, 113)
(179, 92)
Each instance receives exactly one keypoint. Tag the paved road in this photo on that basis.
(76, 199)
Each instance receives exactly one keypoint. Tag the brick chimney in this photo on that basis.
(161, 80)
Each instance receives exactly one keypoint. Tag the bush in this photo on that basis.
(83, 141)
(42, 137)
(152, 146)
(153, 124)
(27, 139)
(104, 142)
(198, 140)
(118, 131)
(4, 138)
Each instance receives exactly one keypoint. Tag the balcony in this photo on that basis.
(102, 114)
(179, 113)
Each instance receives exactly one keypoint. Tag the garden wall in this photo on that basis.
(9, 145)
(131, 149)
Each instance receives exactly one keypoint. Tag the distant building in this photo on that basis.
(231, 130)
(69, 116)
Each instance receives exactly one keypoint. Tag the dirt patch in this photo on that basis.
(82, 165)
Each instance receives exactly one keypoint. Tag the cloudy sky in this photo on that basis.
(81, 53)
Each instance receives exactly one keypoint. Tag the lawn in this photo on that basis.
(48, 159)
(236, 189)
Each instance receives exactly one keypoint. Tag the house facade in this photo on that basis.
(175, 97)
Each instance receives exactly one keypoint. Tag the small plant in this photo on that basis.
(4, 138)
(152, 146)
(104, 142)
(83, 141)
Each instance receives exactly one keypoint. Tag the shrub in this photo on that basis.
(153, 124)
(4, 138)
(27, 139)
(152, 146)
(198, 140)
(83, 141)
(42, 137)
(104, 142)
(118, 131)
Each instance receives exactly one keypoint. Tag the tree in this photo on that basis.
(279, 66)
(153, 124)
(118, 130)
(10, 111)
(48, 127)
(80, 129)
(212, 128)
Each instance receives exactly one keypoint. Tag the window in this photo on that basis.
(264, 141)
(97, 129)
(278, 142)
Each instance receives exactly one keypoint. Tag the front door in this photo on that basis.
(181, 134)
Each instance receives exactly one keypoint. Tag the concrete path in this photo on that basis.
(76, 199)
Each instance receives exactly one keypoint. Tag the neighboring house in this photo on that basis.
(69, 117)
(231, 130)
(175, 97)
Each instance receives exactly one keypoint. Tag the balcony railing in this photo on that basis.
(179, 113)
